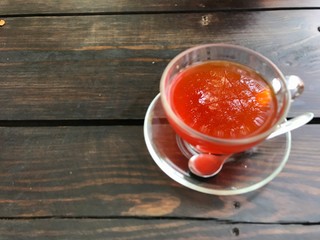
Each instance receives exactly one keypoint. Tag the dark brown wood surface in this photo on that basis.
(108, 67)
(143, 229)
(106, 171)
(76, 78)
(20, 7)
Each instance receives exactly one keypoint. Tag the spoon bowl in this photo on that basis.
(207, 165)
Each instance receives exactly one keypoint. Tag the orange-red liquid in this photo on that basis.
(223, 99)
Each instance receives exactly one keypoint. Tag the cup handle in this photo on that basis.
(295, 86)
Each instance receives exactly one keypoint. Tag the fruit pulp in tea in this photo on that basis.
(223, 99)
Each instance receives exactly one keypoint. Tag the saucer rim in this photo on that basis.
(181, 178)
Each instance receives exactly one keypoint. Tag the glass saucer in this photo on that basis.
(244, 172)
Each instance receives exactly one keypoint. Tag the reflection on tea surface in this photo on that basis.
(223, 99)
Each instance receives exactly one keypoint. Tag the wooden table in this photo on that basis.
(76, 78)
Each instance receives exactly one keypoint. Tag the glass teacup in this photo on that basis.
(201, 142)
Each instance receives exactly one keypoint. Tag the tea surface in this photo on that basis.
(223, 99)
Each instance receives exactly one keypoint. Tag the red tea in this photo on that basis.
(223, 99)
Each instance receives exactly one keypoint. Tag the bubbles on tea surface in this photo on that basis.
(259, 120)
(244, 130)
(207, 97)
(223, 100)
(237, 104)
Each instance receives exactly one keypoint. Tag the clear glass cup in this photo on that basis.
(225, 52)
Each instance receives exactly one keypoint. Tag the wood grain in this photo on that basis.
(149, 229)
(108, 67)
(19, 7)
(103, 172)
(91, 68)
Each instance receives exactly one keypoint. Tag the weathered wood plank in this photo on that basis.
(15, 7)
(107, 172)
(141, 229)
(108, 67)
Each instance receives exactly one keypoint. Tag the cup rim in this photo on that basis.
(227, 141)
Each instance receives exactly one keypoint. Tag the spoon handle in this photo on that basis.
(292, 124)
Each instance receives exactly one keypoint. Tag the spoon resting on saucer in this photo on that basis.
(207, 165)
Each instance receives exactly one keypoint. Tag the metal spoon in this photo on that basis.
(207, 165)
